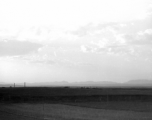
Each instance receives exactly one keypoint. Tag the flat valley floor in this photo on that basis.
(27, 111)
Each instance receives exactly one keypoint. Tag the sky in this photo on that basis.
(75, 40)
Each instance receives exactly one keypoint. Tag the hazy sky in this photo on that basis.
(75, 40)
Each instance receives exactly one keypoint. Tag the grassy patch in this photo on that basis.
(66, 112)
(112, 105)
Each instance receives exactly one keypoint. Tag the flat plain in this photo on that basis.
(66, 112)
(75, 104)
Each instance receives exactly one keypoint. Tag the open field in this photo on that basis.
(65, 112)
(65, 91)
(65, 103)
(61, 94)
(113, 105)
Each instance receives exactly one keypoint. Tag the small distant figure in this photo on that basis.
(24, 84)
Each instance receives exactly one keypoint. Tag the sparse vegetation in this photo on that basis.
(65, 112)
(64, 103)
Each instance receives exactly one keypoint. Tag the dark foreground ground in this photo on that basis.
(66, 94)
(26, 111)
(64, 103)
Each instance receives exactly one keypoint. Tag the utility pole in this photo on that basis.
(24, 84)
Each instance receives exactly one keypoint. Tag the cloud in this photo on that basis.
(45, 35)
(8, 33)
(120, 38)
(106, 37)
(49, 62)
(14, 47)
(86, 48)
(46, 59)
(149, 9)
(110, 41)
(93, 29)
(37, 61)
(140, 38)
(144, 37)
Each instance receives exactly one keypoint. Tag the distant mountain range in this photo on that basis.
(144, 83)
(139, 81)
(131, 83)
